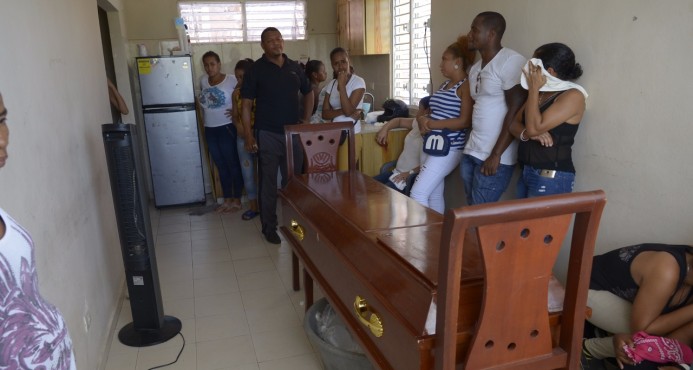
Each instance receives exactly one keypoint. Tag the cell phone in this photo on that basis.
(548, 173)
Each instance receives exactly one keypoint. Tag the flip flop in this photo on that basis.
(249, 215)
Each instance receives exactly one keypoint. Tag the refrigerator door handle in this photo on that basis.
(170, 108)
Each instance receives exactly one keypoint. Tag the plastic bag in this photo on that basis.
(333, 331)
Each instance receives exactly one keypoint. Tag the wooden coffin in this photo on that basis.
(374, 253)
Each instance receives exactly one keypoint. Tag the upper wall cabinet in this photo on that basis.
(364, 26)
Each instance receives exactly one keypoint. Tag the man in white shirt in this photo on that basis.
(491, 152)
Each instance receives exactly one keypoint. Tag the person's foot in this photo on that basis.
(236, 205)
(222, 208)
(249, 215)
(272, 237)
(588, 362)
(231, 205)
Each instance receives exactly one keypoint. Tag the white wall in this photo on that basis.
(634, 138)
(56, 182)
(150, 22)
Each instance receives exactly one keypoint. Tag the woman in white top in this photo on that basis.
(345, 93)
(220, 133)
(33, 334)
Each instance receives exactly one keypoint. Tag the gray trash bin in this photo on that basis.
(333, 358)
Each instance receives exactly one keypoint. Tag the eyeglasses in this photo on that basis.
(478, 82)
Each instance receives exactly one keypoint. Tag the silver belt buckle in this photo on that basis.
(547, 173)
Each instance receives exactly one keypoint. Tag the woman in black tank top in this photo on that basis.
(548, 122)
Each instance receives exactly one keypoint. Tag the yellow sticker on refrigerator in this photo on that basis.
(144, 66)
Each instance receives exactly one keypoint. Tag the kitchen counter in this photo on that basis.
(370, 156)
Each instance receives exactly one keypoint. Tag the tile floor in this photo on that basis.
(231, 290)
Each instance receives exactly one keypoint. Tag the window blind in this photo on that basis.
(242, 21)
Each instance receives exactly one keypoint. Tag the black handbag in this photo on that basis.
(437, 143)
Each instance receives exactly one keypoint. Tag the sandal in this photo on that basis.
(249, 215)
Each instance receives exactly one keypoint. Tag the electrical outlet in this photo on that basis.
(372, 86)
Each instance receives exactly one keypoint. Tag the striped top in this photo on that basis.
(446, 104)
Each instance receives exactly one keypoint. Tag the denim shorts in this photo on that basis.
(533, 184)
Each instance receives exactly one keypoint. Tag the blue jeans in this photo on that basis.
(221, 142)
(480, 188)
(247, 168)
(531, 184)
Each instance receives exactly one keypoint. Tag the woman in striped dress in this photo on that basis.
(451, 113)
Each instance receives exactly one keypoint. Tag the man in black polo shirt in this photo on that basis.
(273, 82)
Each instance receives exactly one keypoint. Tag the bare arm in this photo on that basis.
(381, 137)
(308, 106)
(246, 107)
(657, 276)
(518, 130)
(457, 123)
(116, 99)
(348, 103)
(567, 107)
(235, 113)
(514, 98)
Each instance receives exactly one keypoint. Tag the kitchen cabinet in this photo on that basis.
(364, 27)
(370, 156)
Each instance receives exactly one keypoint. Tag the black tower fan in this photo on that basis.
(149, 325)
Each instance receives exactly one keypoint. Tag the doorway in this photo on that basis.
(109, 64)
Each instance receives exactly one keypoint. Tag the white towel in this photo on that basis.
(552, 83)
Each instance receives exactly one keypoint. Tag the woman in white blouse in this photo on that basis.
(345, 93)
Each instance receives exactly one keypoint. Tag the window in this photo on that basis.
(411, 53)
(242, 21)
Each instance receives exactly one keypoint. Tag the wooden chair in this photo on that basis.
(320, 146)
(519, 242)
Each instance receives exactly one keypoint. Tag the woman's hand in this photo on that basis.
(621, 340)
(535, 77)
(250, 144)
(423, 124)
(356, 115)
(342, 78)
(401, 177)
(381, 137)
(544, 139)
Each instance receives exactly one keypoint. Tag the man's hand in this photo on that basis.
(490, 165)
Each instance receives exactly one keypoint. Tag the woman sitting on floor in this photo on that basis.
(642, 288)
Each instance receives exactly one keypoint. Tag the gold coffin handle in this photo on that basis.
(373, 322)
(297, 230)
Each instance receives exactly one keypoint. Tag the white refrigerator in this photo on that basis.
(170, 120)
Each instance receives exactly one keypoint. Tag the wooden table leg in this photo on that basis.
(308, 287)
(294, 272)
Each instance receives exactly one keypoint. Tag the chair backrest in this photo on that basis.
(519, 241)
(320, 144)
